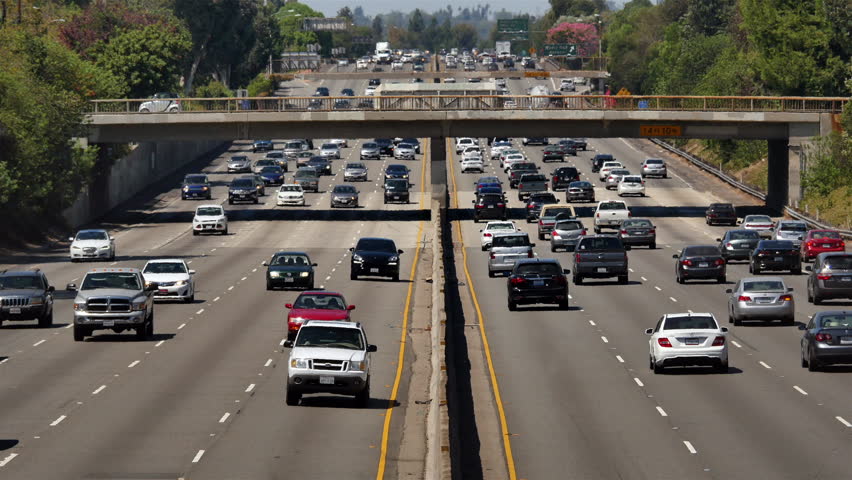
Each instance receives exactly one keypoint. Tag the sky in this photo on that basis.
(371, 7)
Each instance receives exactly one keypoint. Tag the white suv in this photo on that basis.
(210, 219)
(329, 357)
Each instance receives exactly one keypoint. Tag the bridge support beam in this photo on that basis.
(777, 188)
(438, 167)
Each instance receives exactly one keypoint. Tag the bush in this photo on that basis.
(261, 86)
(213, 89)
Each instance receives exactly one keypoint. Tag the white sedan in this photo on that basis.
(513, 159)
(682, 339)
(362, 64)
(290, 194)
(491, 228)
(92, 245)
(631, 185)
(762, 224)
(472, 164)
(397, 65)
(341, 142)
(173, 278)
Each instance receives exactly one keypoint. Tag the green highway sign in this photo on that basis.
(561, 49)
(513, 25)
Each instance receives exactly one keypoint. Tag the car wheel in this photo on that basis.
(797, 271)
(738, 322)
(256, 200)
(810, 294)
(190, 298)
(490, 274)
(803, 359)
(353, 275)
(541, 236)
(722, 367)
(195, 233)
(79, 333)
(395, 277)
(225, 231)
(678, 279)
(230, 202)
(817, 299)
(144, 110)
(512, 306)
(789, 321)
(622, 279)
(755, 270)
(563, 305)
(578, 280)
(269, 285)
(484, 248)
(46, 321)
(721, 279)
(142, 332)
(293, 398)
(363, 397)
(813, 363)
(658, 368)
(652, 245)
(552, 248)
(597, 230)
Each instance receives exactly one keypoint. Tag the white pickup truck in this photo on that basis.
(610, 214)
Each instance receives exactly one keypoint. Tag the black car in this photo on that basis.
(537, 280)
(374, 82)
(552, 153)
(242, 189)
(26, 295)
(535, 201)
(489, 206)
(347, 92)
(581, 190)
(699, 262)
(738, 244)
(342, 104)
(830, 277)
(775, 255)
(529, 63)
(385, 146)
(289, 270)
(826, 340)
(321, 92)
(272, 175)
(377, 257)
(569, 146)
(396, 190)
(508, 63)
(261, 145)
(396, 170)
(321, 164)
(562, 177)
(535, 141)
(599, 159)
(579, 143)
(720, 213)
(195, 186)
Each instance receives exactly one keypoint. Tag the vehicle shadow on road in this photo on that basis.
(548, 308)
(7, 443)
(674, 371)
(345, 402)
(770, 324)
(31, 326)
(587, 281)
(128, 337)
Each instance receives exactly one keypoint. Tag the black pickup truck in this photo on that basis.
(600, 256)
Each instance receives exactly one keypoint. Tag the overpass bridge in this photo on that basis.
(781, 121)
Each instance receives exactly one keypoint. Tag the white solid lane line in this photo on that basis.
(662, 412)
(800, 390)
(99, 390)
(224, 417)
(844, 422)
(689, 447)
(198, 456)
(133, 364)
(638, 382)
(58, 421)
(8, 459)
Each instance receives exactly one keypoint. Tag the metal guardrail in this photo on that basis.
(747, 188)
(474, 102)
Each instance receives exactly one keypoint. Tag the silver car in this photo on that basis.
(761, 298)
(371, 150)
(506, 249)
(762, 224)
(259, 165)
(638, 231)
(292, 149)
(308, 178)
(614, 177)
(239, 163)
(654, 167)
(330, 150)
(404, 151)
(566, 234)
(792, 230)
(344, 196)
(355, 172)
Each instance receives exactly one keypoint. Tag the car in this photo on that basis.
(603, 173)
(396, 190)
(469, 66)
(355, 171)
(534, 141)
(552, 153)
(316, 305)
(415, 143)
(830, 277)
(293, 148)
(386, 146)
(688, 339)
(473, 151)
(396, 170)
(489, 206)
(26, 295)
(369, 91)
(580, 190)
(163, 102)
(242, 189)
(370, 150)
(464, 142)
(568, 146)
(322, 92)
(487, 182)
(516, 170)
(377, 257)
(346, 92)
(610, 214)
(762, 224)
(775, 255)
(499, 146)
(494, 228)
(261, 145)
(600, 256)
(548, 214)
(307, 178)
(472, 164)
(638, 231)
(116, 299)
(528, 63)
(259, 165)
(174, 279)
(535, 281)
(654, 167)
(92, 244)
(418, 68)
(362, 65)
(566, 234)
(404, 151)
(330, 150)
(449, 79)
(760, 298)
(720, 213)
(238, 164)
(303, 157)
(290, 194)
(510, 157)
(699, 262)
(344, 196)
(315, 105)
(342, 142)
(506, 248)
(259, 183)
(599, 159)
(562, 177)
(321, 164)
(397, 65)
(827, 340)
(737, 244)
(792, 230)
(531, 183)
(614, 177)
(535, 202)
(343, 62)
(580, 143)
(210, 219)
(820, 241)
(374, 82)
(631, 185)
(279, 158)
(329, 357)
(272, 175)
(289, 270)
(567, 85)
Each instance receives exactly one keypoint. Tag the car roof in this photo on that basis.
(321, 292)
(92, 230)
(114, 269)
(209, 205)
(694, 314)
(333, 324)
(762, 278)
(21, 273)
(524, 261)
(289, 252)
(166, 260)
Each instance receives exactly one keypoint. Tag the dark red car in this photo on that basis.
(819, 241)
(316, 305)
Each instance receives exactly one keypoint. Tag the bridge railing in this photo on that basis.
(471, 102)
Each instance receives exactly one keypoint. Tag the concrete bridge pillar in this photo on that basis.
(438, 167)
(777, 187)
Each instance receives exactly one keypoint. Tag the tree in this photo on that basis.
(584, 35)
(576, 8)
(464, 36)
(346, 13)
(378, 27)
(290, 18)
(708, 17)
(416, 24)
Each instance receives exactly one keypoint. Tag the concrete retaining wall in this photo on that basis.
(146, 163)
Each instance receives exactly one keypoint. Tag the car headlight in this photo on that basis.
(75, 247)
(274, 274)
(185, 189)
(181, 283)
(358, 366)
(357, 258)
(104, 247)
(393, 259)
(297, 320)
(37, 301)
(304, 274)
(299, 363)
(138, 307)
(204, 189)
(79, 307)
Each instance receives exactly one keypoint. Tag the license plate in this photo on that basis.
(109, 323)
(538, 283)
(490, 206)
(764, 300)
(326, 380)
(601, 269)
(826, 245)
(374, 270)
(396, 197)
(162, 292)
(288, 280)
(846, 279)
(703, 265)
(846, 340)
(15, 310)
(779, 259)
(692, 341)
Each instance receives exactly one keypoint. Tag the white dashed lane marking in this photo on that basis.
(159, 343)
(638, 382)
(604, 339)
(673, 299)
(250, 388)
(764, 365)
(658, 288)
(99, 390)
(662, 412)
(689, 447)
(133, 364)
(198, 456)
(798, 389)
(224, 417)
(843, 421)
(58, 421)
(39, 342)
(8, 459)
(620, 360)
(736, 344)
(180, 327)
(268, 363)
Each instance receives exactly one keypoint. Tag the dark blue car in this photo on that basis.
(272, 175)
(195, 186)
(489, 182)
(396, 170)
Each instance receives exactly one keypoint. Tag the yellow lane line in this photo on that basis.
(504, 428)
(383, 456)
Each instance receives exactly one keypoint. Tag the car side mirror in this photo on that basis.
(372, 348)
(192, 272)
(288, 344)
(111, 239)
(71, 287)
(313, 264)
(350, 307)
(51, 289)
(566, 271)
(70, 239)
(649, 331)
(351, 249)
(674, 256)
(399, 252)
(152, 286)
(728, 290)
(724, 329)
(288, 305)
(808, 268)
(265, 263)
(802, 327)
(718, 239)
(532, 245)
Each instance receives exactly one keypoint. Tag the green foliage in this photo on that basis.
(289, 18)
(708, 17)
(680, 61)
(576, 8)
(628, 40)
(829, 164)
(261, 86)
(213, 89)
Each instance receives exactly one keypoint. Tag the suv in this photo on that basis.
(720, 213)
(537, 281)
(489, 206)
(242, 190)
(599, 159)
(26, 295)
(396, 190)
(161, 102)
(518, 169)
(195, 186)
(375, 257)
(329, 357)
(210, 218)
(830, 277)
(563, 176)
(116, 299)
(506, 249)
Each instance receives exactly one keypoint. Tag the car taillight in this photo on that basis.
(540, 222)
(486, 235)
(529, 205)
(493, 256)
(810, 243)
(786, 298)
(530, 254)
(517, 281)
(577, 177)
(629, 214)
(597, 215)
(555, 179)
(577, 258)
(729, 245)
(664, 342)
(609, 178)
(554, 234)
(823, 337)
(842, 244)
(583, 232)
(480, 206)
(624, 232)
(687, 262)
(712, 215)
(560, 279)
(823, 276)
(744, 298)
(718, 341)
(501, 204)
(719, 261)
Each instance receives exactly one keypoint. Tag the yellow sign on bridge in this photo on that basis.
(537, 74)
(660, 130)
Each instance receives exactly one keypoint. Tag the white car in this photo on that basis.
(492, 228)
(370, 91)
(505, 154)
(606, 167)
(397, 65)
(567, 85)
(513, 159)
(173, 277)
(579, 80)
(472, 164)
(163, 102)
(464, 142)
(362, 65)
(92, 245)
(210, 219)
(342, 62)
(330, 150)
(762, 224)
(498, 147)
(290, 194)
(631, 185)
(688, 339)
(340, 142)
(449, 80)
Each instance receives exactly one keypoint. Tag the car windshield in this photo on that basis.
(396, 168)
(601, 243)
(306, 172)
(320, 302)
(702, 250)
(545, 198)
(757, 219)
(242, 183)
(92, 235)
(837, 320)
(839, 262)
(329, 146)
(743, 235)
(538, 268)
(355, 165)
(195, 179)
(776, 244)
(291, 260)
(376, 245)
(579, 185)
(552, 212)
(531, 177)
(271, 169)
(165, 267)
(511, 241)
(652, 161)
(344, 189)
(263, 162)
(489, 180)
(121, 280)
(239, 159)
(330, 337)
(294, 145)
(636, 223)
(612, 206)
(396, 184)
(569, 225)
(631, 179)
(275, 155)
(405, 145)
(689, 323)
(612, 165)
(290, 188)
(208, 211)
(567, 172)
(500, 226)
(523, 166)
(370, 145)
(764, 286)
(22, 282)
(826, 234)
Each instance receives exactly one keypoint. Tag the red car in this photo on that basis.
(316, 305)
(819, 241)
